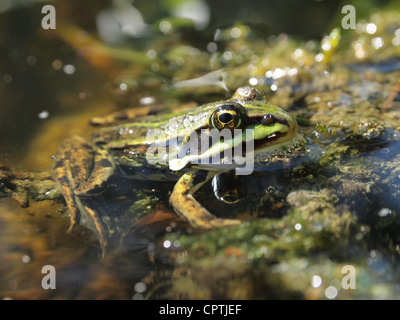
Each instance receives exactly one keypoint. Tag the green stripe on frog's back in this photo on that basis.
(257, 109)
(154, 128)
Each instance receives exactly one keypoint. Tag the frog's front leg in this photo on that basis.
(81, 170)
(189, 209)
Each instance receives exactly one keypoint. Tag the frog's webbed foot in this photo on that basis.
(101, 233)
(75, 207)
(81, 170)
(189, 209)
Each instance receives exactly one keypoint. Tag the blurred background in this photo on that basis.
(43, 72)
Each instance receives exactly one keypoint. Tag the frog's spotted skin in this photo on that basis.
(83, 168)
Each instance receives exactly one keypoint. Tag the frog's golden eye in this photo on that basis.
(227, 116)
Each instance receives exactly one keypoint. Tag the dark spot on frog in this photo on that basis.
(64, 180)
(105, 163)
(58, 164)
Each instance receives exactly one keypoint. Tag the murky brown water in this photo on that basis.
(50, 92)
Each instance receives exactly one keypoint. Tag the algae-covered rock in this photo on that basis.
(265, 258)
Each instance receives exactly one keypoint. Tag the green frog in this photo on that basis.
(82, 168)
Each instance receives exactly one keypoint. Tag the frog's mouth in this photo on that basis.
(261, 144)
(281, 131)
(258, 119)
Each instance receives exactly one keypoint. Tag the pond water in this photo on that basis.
(331, 202)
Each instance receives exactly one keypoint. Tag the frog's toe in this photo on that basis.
(101, 232)
(208, 221)
(219, 223)
(71, 227)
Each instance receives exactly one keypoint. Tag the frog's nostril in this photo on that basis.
(267, 119)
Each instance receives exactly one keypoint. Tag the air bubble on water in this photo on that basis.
(123, 86)
(155, 67)
(318, 227)
(167, 244)
(297, 54)
(151, 54)
(263, 159)
(31, 60)
(44, 114)
(384, 212)
(212, 47)
(57, 64)
(316, 281)
(236, 32)
(137, 296)
(147, 100)
(253, 81)
(331, 292)
(26, 259)
(140, 287)
(269, 74)
(227, 55)
(370, 28)
(177, 243)
(69, 69)
(8, 78)
(165, 27)
(377, 43)
(319, 57)
(396, 41)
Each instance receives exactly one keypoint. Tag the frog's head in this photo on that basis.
(248, 109)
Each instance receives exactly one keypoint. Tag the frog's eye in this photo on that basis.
(227, 116)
